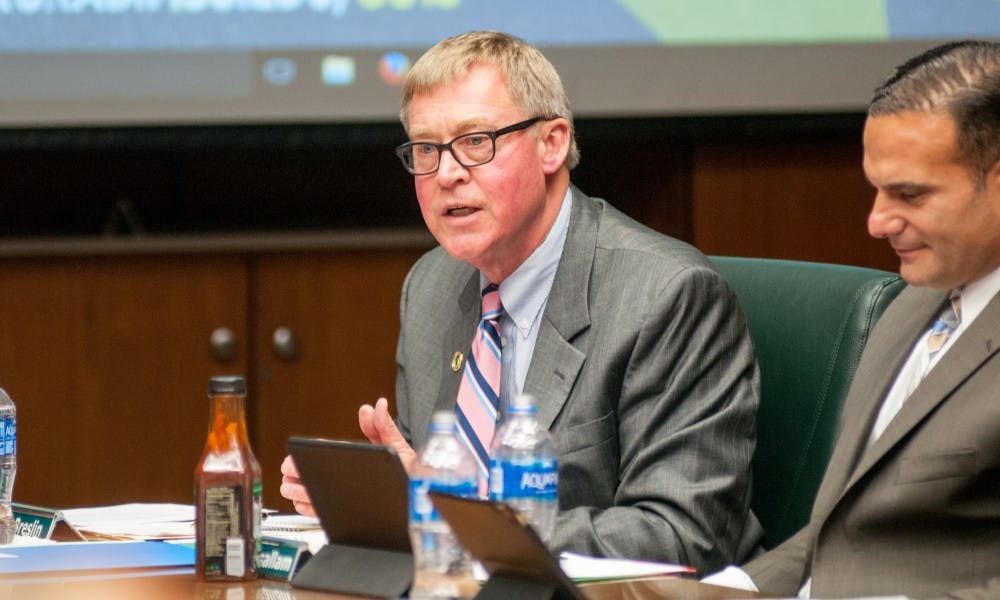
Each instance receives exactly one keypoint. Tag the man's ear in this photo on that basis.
(991, 186)
(554, 139)
(993, 175)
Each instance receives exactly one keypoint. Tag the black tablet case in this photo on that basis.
(361, 495)
(519, 563)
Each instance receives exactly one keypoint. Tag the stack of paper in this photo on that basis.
(138, 521)
(289, 523)
(295, 527)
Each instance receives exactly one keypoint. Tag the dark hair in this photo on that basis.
(961, 79)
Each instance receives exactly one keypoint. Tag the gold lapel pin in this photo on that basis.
(456, 362)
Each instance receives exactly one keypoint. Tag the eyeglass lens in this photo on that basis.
(469, 150)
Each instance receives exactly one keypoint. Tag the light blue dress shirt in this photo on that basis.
(524, 294)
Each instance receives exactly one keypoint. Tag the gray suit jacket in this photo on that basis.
(918, 512)
(644, 373)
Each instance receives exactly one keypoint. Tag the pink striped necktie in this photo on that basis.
(479, 392)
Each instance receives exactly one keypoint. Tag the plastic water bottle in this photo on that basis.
(442, 568)
(523, 468)
(8, 466)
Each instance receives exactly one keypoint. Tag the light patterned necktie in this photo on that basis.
(949, 319)
(942, 329)
(479, 392)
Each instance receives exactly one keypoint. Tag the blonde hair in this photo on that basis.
(532, 81)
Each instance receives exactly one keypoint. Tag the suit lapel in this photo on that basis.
(457, 337)
(976, 344)
(893, 338)
(555, 362)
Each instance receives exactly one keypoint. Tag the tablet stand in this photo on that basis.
(357, 570)
(505, 588)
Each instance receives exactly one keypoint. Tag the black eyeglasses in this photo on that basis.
(470, 149)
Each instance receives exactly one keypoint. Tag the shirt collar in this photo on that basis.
(977, 295)
(524, 291)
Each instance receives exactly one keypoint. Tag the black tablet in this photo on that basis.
(361, 496)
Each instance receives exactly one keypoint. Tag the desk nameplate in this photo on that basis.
(279, 558)
(44, 524)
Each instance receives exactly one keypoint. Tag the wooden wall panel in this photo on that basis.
(804, 199)
(646, 179)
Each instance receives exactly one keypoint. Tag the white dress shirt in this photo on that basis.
(975, 297)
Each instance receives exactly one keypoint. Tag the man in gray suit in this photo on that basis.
(910, 502)
(635, 348)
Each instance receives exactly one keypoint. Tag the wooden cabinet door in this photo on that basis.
(107, 359)
(342, 310)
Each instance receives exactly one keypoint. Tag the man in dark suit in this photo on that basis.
(634, 347)
(910, 502)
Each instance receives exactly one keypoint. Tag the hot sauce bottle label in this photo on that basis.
(223, 520)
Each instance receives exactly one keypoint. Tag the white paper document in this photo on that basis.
(582, 568)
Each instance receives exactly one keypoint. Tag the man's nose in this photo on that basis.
(449, 169)
(883, 220)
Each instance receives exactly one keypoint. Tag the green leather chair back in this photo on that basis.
(809, 323)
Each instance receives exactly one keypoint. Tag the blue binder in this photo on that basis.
(86, 556)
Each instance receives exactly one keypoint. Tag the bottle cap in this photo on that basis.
(227, 384)
(523, 403)
(443, 420)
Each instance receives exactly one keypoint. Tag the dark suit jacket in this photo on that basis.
(918, 512)
(644, 373)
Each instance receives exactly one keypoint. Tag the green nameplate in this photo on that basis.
(279, 558)
(43, 523)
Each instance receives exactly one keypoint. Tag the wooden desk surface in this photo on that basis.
(182, 584)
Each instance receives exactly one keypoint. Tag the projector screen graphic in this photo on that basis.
(153, 62)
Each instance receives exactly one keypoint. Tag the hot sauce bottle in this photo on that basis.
(227, 487)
